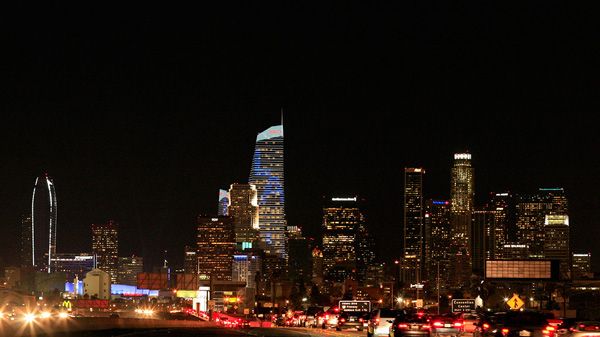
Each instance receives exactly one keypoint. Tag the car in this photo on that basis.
(410, 324)
(584, 329)
(311, 316)
(469, 322)
(446, 325)
(381, 320)
(330, 319)
(515, 324)
(350, 320)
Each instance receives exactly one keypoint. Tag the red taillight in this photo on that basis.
(486, 326)
(402, 326)
(458, 324)
(549, 331)
(504, 331)
(342, 319)
(361, 320)
(426, 326)
(438, 324)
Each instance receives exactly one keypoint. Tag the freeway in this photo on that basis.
(102, 326)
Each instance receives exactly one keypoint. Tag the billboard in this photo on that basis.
(360, 306)
(521, 269)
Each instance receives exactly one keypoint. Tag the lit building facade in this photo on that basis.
(438, 238)
(44, 219)
(342, 218)
(243, 207)
(129, 268)
(105, 247)
(245, 268)
(556, 242)
(413, 224)
(502, 206)
(267, 175)
(190, 260)
(531, 214)
(216, 246)
(223, 203)
(462, 193)
(25, 248)
(73, 264)
(582, 266)
(365, 253)
(484, 222)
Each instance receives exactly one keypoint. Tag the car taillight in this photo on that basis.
(549, 331)
(458, 324)
(426, 326)
(504, 332)
(402, 326)
(438, 324)
(361, 320)
(486, 326)
(342, 319)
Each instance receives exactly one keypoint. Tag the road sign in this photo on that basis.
(515, 303)
(463, 305)
(362, 306)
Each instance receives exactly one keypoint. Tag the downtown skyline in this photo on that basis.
(143, 124)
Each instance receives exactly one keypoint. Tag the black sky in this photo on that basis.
(141, 112)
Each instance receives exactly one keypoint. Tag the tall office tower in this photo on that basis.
(582, 266)
(243, 207)
(216, 246)
(556, 242)
(413, 224)
(43, 218)
(25, 248)
(245, 267)
(267, 175)
(190, 260)
(437, 241)
(105, 246)
(342, 218)
(462, 192)
(300, 258)
(484, 224)
(73, 264)
(531, 215)
(317, 264)
(273, 270)
(365, 253)
(129, 268)
(504, 219)
(223, 203)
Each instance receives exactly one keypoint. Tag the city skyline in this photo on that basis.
(144, 124)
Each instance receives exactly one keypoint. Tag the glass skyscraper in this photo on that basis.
(267, 175)
(43, 223)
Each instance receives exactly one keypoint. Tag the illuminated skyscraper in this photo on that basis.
(267, 175)
(216, 246)
(413, 224)
(190, 260)
(342, 219)
(531, 214)
(582, 266)
(556, 242)
(462, 192)
(243, 207)
(43, 223)
(437, 240)
(105, 246)
(223, 203)
(502, 205)
(26, 247)
(129, 268)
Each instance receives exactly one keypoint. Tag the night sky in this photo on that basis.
(141, 113)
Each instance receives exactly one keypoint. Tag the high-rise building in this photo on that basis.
(190, 260)
(73, 264)
(342, 218)
(482, 234)
(531, 215)
(365, 253)
(582, 266)
(557, 197)
(413, 224)
(502, 205)
(223, 203)
(245, 267)
(300, 258)
(129, 268)
(438, 239)
(25, 244)
(556, 242)
(105, 247)
(267, 175)
(243, 207)
(44, 223)
(462, 192)
(216, 246)
(317, 266)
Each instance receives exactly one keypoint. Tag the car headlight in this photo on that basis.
(63, 315)
(29, 318)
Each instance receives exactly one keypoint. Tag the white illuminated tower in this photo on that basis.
(266, 174)
(43, 223)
